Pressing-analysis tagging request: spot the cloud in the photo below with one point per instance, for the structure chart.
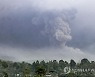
(83, 25)
(47, 28)
(32, 27)
(28, 55)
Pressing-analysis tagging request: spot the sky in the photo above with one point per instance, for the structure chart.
(47, 29)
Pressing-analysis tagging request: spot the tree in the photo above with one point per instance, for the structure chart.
(85, 63)
(66, 63)
(55, 65)
(37, 64)
(61, 64)
(72, 64)
(4, 64)
(40, 72)
(27, 72)
(92, 65)
(5, 74)
(43, 64)
(15, 65)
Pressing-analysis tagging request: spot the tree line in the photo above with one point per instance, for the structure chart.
(41, 68)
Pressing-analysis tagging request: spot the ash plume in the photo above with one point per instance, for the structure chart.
(47, 29)
(34, 28)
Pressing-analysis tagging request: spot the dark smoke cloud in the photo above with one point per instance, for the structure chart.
(83, 26)
(50, 28)
(34, 28)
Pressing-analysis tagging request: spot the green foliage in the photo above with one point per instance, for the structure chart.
(5, 74)
(40, 68)
(85, 63)
(71, 75)
(4, 64)
(40, 71)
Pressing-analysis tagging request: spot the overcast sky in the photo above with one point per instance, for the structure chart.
(47, 29)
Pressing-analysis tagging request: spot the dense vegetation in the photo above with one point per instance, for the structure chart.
(41, 68)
